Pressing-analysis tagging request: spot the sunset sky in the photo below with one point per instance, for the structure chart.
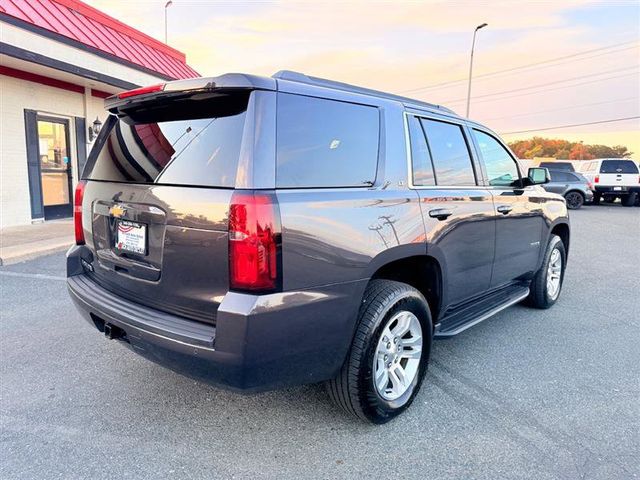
(580, 59)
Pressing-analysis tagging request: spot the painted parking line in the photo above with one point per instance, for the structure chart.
(41, 276)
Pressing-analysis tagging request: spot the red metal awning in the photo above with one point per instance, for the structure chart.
(81, 23)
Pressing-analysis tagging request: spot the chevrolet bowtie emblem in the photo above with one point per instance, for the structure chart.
(117, 211)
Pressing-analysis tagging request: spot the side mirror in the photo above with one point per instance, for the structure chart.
(538, 176)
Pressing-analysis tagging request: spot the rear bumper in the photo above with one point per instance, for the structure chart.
(611, 190)
(259, 342)
(588, 195)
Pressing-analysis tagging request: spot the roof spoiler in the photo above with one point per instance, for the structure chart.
(229, 81)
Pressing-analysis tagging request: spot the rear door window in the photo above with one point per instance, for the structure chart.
(193, 141)
(449, 152)
(325, 143)
(618, 166)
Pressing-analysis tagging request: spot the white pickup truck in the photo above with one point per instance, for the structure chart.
(613, 178)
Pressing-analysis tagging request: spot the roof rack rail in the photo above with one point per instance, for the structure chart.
(322, 82)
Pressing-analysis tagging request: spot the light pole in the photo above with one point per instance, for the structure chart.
(166, 6)
(473, 44)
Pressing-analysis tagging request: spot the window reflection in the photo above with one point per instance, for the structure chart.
(323, 143)
(202, 151)
(450, 154)
(420, 156)
(501, 167)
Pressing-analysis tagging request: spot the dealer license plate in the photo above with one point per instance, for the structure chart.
(131, 237)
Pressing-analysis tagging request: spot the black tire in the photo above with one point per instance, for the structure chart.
(353, 389)
(596, 198)
(629, 200)
(539, 296)
(574, 200)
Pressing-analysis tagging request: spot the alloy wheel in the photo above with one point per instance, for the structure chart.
(398, 355)
(574, 200)
(554, 274)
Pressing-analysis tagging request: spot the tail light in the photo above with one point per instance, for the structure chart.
(77, 212)
(596, 179)
(254, 242)
(590, 185)
(141, 91)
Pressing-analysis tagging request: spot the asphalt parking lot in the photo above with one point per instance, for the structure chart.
(527, 394)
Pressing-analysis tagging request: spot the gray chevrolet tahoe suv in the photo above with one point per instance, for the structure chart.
(263, 232)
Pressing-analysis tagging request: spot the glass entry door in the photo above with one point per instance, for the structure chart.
(55, 167)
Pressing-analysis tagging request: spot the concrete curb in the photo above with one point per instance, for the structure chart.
(21, 253)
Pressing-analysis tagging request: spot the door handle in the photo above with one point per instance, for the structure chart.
(505, 209)
(440, 213)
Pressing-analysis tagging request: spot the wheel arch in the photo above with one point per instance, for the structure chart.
(422, 271)
(575, 190)
(562, 230)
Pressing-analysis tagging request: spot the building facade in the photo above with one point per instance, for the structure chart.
(59, 59)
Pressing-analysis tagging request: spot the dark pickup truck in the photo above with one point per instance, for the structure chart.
(262, 232)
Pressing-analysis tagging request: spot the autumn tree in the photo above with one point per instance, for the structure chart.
(603, 151)
(563, 149)
(579, 151)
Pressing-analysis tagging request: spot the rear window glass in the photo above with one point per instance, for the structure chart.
(190, 141)
(618, 166)
(578, 177)
(557, 166)
(325, 143)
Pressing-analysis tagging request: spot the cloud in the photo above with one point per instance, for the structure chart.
(399, 46)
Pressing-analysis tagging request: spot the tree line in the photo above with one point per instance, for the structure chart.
(564, 149)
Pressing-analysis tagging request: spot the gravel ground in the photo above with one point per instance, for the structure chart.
(526, 394)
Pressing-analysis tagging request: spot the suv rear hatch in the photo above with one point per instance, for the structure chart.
(159, 183)
(618, 173)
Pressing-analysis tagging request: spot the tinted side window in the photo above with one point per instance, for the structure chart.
(618, 166)
(325, 143)
(420, 156)
(450, 154)
(502, 169)
(558, 176)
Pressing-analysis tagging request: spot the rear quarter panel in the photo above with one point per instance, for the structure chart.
(554, 212)
(334, 236)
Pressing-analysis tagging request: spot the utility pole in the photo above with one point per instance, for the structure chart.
(473, 44)
(166, 7)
